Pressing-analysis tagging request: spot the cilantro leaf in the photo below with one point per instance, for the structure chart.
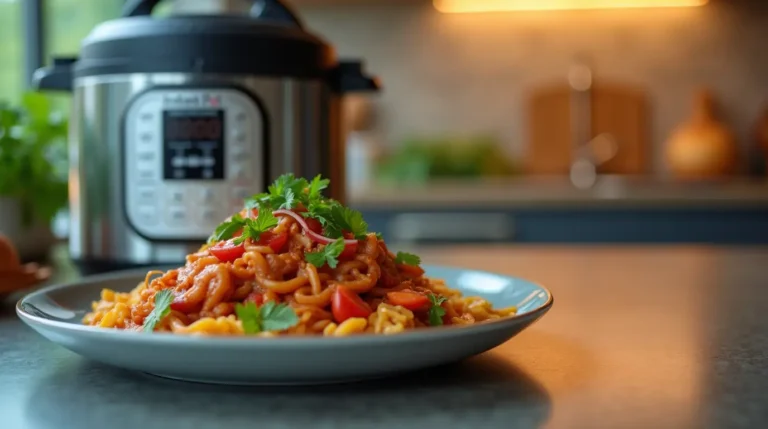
(316, 187)
(285, 183)
(227, 229)
(289, 200)
(253, 228)
(327, 255)
(257, 201)
(269, 317)
(407, 258)
(436, 311)
(350, 220)
(322, 211)
(163, 300)
(277, 317)
(249, 316)
(286, 192)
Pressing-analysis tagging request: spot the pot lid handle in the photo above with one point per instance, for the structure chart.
(273, 10)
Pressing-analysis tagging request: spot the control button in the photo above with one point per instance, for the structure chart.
(207, 196)
(146, 195)
(240, 151)
(209, 216)
(146, 174)
(177, 215)
(239, 173)
(145, 156)
(178, 161)
(176, 196)
(239, 136)
(145, 137)
(146, 117)
(240, 116)
(147, 215)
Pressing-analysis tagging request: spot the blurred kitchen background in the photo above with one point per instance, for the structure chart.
(575, 124)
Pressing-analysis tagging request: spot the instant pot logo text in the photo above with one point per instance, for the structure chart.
(192, 100)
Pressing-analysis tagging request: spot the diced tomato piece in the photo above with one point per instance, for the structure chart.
(314, 225)
(349, 252)
(409, 299)
(227, 251)
(346, 304)
(255, 297)
(275, 241)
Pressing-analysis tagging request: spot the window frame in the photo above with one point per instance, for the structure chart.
(32, 37)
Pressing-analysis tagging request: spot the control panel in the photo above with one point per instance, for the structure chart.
(191, 157)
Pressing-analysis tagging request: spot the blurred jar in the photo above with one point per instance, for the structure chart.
(362, 149)
(702, 147)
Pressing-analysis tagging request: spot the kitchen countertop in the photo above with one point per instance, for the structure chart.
(640, 337)
(556, 192)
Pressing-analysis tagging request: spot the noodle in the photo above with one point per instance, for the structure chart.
(359, 288)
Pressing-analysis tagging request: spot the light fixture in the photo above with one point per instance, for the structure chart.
(468, 6)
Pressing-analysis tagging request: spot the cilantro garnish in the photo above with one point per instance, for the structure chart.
(436, 311)
(285, 193)
(289, 192)
(407, 258)
(350, 220)
(337, 219)
(269, 317)
(226, 230)
(253, 228)
(327, 255)
(163, 300)
(316, 188)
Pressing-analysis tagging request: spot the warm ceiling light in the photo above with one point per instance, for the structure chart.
(465, 6)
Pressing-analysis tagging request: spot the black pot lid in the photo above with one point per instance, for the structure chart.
(204, 44)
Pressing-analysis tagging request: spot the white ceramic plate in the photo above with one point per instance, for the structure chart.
(56, 312)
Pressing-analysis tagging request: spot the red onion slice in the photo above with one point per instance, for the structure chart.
(311, 234)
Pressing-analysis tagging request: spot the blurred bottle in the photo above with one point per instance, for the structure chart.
(759, 162)
(362, 149)
(702, 147)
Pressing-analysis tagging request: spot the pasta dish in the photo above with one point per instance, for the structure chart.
(292, 262)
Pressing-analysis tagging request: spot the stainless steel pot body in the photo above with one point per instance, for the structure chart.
(125, 208)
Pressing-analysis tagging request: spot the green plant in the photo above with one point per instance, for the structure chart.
(33, 157)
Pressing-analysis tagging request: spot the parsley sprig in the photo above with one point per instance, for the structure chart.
(436, 311)
(327, 255)
(407, 259)
(162, 308)
(289, 192)
(269, 317)
(252, 228)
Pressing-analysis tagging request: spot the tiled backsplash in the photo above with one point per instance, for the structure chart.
(465, 74)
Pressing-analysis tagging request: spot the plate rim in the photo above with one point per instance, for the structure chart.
(165, 338)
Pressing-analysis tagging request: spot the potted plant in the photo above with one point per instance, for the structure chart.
(33, 173)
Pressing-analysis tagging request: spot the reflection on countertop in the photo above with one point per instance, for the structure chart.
(552, 192)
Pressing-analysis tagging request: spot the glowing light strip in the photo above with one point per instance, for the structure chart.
(469, 6)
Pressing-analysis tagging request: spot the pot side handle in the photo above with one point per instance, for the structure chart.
(56, 77)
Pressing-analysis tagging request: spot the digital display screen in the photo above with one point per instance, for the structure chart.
(193, 144)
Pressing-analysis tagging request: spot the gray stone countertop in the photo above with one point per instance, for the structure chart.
(651, 337)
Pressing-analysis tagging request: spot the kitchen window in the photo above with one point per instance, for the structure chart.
(64, 24)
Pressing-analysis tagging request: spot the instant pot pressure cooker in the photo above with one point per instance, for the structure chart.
(176, 120)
